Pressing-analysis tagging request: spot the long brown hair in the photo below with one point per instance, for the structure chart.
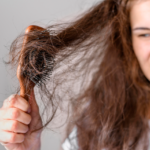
(102, 79)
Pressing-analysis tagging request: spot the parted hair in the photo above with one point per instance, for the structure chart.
(97, 72)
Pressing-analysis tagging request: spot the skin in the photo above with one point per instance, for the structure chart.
(140, 25)
(16, 123)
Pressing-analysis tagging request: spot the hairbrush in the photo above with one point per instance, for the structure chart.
(30, 74)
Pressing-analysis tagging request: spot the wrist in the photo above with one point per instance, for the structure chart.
(37, 145)
(36, 138)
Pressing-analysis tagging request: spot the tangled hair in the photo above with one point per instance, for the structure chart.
(97, 72)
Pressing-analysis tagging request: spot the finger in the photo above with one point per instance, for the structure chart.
(16, 101)
(15, 114)
(11, 137)
(13, 126)
(4, 143)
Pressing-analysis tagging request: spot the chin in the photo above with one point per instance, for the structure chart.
(148, 78)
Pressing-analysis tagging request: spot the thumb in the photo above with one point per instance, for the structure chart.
(35, 115)
(33, 104)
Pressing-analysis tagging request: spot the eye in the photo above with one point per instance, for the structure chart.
(144, 35)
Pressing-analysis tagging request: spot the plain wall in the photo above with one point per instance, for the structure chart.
(15, 16)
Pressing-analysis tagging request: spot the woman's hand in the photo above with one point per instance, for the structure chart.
(16, 123)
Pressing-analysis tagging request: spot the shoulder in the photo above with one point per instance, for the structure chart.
(68, 145)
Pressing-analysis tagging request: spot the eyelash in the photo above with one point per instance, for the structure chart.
(142, 35)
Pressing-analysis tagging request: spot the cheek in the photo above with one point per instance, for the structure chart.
(142, 51)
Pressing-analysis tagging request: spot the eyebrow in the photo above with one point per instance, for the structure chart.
(141, 28)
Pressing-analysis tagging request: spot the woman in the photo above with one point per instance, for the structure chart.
(111, 109)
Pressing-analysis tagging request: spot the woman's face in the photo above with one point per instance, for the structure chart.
(140, 25)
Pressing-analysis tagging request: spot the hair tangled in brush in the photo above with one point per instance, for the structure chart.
(97, 72)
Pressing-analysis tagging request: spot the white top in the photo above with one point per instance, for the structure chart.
(68, 146)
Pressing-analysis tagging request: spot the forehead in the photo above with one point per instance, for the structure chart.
(140, 12)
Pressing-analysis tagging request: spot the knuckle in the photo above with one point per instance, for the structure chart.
(12, 137)
(14, 113)
(27, 129)
(26, 106)
(22, 138)
(14, 125)
(29, 119)
(12, 99)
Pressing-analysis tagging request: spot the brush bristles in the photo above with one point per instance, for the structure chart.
(42, 68)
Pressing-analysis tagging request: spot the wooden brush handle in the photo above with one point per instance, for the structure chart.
(24, 92)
